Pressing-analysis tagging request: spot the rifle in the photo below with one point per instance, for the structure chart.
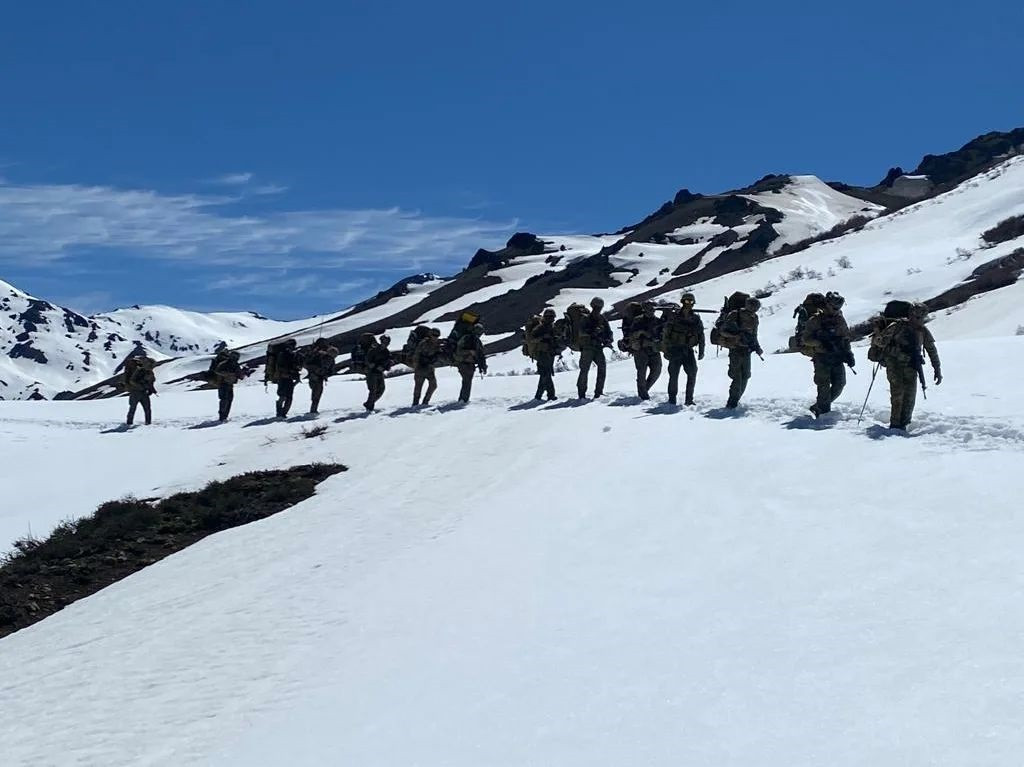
(917, 360)
(751, 341)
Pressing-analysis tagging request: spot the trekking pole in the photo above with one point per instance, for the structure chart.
(865, 405)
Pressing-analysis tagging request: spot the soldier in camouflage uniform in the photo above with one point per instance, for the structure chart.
(469, 357)
(319, 364)
(644, 342)
(738, 333)
(378, 361)
(900, 345)
(544, 342)
(226, 373)
(683, 331)
(424, 361)
(826, 338)
(289, 371)
(140, 381)
(595, 334)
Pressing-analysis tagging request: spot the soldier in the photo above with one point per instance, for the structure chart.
(226, 372)
(140, 382)
(424, 361)
(319, 365)
(595, 334)
(469, 356)
(378, 361)
(738, 332)
(682, 332)
(900, 346)
(544, 342)
(643, 340)
(826, 338)
(288, 367)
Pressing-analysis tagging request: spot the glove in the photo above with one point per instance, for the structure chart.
(938, 377)
(700, 354)
(483, 369)
(851, 360)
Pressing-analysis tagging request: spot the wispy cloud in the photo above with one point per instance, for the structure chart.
(231, 179)
(50, 223)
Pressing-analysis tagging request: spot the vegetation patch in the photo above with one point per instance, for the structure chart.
(1008, 229)
(86, 555)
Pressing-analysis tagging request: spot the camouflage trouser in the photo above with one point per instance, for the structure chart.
(421, 376)
(902, 394)
(136, 398)
(686, 360)
(830, 378)
(546, 371)
(466, 370)
(374, 387)
(739, 372)
(225, 396)
(588, 357)
(648, 370)
(285, 392)
(316, 391)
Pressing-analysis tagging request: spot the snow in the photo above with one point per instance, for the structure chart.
(503, 584)
(809, 207)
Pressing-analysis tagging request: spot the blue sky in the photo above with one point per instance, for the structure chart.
(292, 158)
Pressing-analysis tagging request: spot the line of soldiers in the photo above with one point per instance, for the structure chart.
(899, 341)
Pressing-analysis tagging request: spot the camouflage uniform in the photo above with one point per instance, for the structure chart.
(378, 361)
(546, 348)
(424, 360)
(739, 331)
(902, 357)
(141, 385)
(827, 338)
(226, 372)
(595, 334)
(644, 342)
(289, 371)
(683, 331)
(319, 367)
(469, 357)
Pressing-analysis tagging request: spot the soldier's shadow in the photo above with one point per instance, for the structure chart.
(568, 403)
(807, 423)
(665, 408)
(877, 431)
(205, 425)
(724, 413)
(406, 410)
(625, 402)
(528, 405)
(450, 406)
(260, 422)
(303, 417)
(353, 417)
(122, 429)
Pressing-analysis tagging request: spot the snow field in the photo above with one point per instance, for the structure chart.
(507, 584)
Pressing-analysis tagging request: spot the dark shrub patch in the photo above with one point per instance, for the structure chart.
(80, 557)
(1006, 230)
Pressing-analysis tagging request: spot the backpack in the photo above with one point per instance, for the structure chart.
(226, 370)
(357, 361)
(575, 316)
(678, 332)
(426, 353)
(465, 349)
(464, 325)
(733, 303)
(529, 348)
(416, 335)
(561, 334)
(811, 304)
(896, 341)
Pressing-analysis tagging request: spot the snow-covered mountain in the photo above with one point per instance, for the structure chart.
(916, 236)
(46, 349)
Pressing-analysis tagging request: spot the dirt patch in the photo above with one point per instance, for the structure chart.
(84, 556)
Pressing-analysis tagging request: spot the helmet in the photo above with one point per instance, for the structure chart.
(918, 310)
(435, 332)
(597, 301)
(753, 304)
(385, 340)
(647, 306)
(834, 300)
(478, 329)
(320, 343)
(549, 313)
(220, 346)
(291, 342)
(687, 298)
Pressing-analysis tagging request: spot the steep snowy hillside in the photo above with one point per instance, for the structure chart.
(617, 583)
(47, 349)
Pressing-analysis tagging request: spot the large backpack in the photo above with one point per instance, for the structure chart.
(529, 348)
(730, 304)
(357, 361)
(417, 334)
(272, 368)
(464, 325)
(676, 332)
(131, 364)
(810, 306)
(575, 316)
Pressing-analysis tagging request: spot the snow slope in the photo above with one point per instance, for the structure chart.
(47, 349)
(506, 584)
